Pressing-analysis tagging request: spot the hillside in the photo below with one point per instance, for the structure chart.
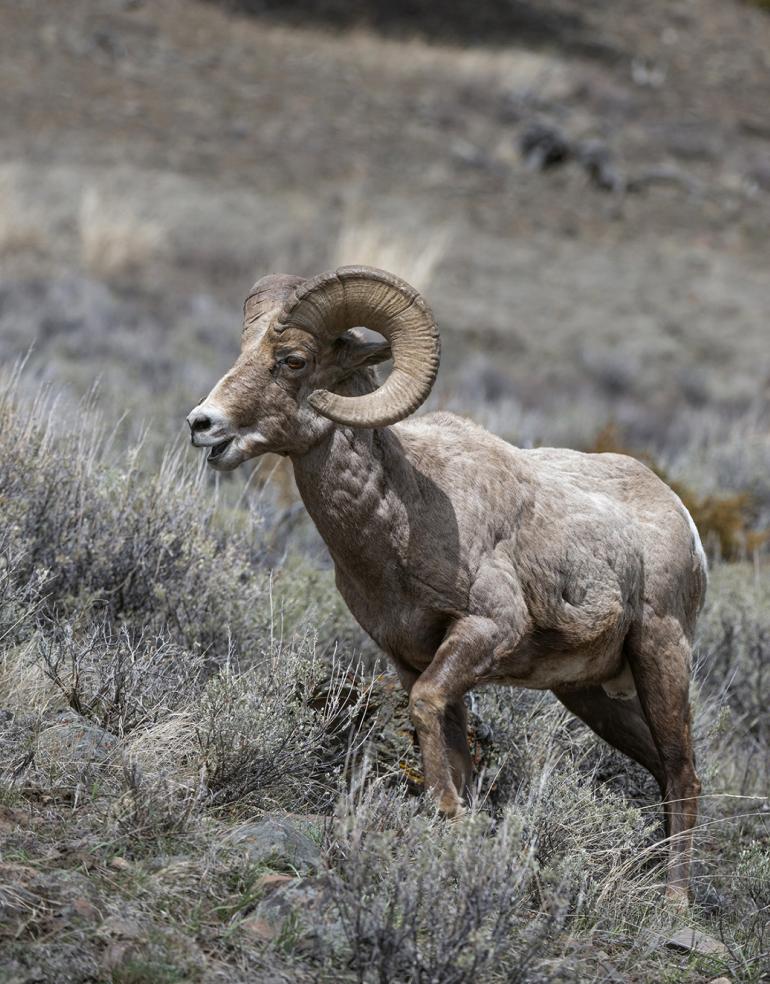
(158, 157)
(207, 772)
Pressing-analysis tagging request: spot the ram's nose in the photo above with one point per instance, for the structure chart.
(207, 425)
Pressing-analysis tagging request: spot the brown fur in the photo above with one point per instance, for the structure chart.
(471, 562)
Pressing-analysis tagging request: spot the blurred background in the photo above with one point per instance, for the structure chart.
(582, 189)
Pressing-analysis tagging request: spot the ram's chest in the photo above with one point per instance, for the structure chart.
(408, 625)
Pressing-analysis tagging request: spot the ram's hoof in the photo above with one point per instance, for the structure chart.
(451, 806)
(677, 898)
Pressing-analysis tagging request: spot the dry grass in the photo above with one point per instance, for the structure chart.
(114, 239)
(413, 254)
(160, 690)
(176, 666)
(503, 69)
(20, 231)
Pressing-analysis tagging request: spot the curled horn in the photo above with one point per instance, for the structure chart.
(360, 296)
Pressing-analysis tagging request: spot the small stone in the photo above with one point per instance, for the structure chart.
(694, 941)
(259, 929)
(304, 906)
(121, 928)
(10, 818)
(268, 882)
(544, 146)
(59, 897)
(120, 864)
(759, 175)
(84, 909)
(115, 955)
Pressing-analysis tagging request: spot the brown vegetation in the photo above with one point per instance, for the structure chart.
(725, 522)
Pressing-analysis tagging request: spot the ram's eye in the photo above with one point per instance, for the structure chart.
(294, 362)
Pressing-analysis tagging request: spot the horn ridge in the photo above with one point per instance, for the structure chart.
(360, 296)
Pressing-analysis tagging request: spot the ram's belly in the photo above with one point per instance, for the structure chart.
(535, 670)
(570, 646)
(549, 635)
(414, 642)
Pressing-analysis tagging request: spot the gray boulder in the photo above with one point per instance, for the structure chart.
(278, 842)
(72, 741)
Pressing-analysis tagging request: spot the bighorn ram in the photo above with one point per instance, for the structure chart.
(468, 560)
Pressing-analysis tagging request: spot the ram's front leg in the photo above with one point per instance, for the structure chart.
(459, 664)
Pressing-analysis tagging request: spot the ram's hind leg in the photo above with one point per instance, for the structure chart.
(620, 722)
(660, 659)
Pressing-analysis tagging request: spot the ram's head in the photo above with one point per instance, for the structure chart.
(303, 366)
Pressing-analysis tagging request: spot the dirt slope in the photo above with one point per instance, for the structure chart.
(180, 148)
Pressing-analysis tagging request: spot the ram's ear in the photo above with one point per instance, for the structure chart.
(353, 352)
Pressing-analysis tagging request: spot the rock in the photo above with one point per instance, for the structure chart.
(120, 927)
(259, 929)
(469, 155)
(12, 818)
(17, 897)
(596, 158)
(178, 954)
(116, 954)
(759, 175)
(82, 909)
(15, 973)
(51, 900)
(543, 146)
(72, 742)
(694, 941)
(691, 141)
(277, 840)
(305, 906)
(663, 174)
(51, 960)
(268, 882)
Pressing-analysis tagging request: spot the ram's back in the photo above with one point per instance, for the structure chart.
(564, 517)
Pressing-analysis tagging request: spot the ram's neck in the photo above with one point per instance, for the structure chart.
(354, 486)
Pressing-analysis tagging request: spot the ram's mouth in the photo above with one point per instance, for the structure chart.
(218, 450)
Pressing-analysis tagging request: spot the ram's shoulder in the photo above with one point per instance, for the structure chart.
(445, 422)
(459, 454)
(452, 428)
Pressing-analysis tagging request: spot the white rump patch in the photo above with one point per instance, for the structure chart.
(621, 687)
(700, 553)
